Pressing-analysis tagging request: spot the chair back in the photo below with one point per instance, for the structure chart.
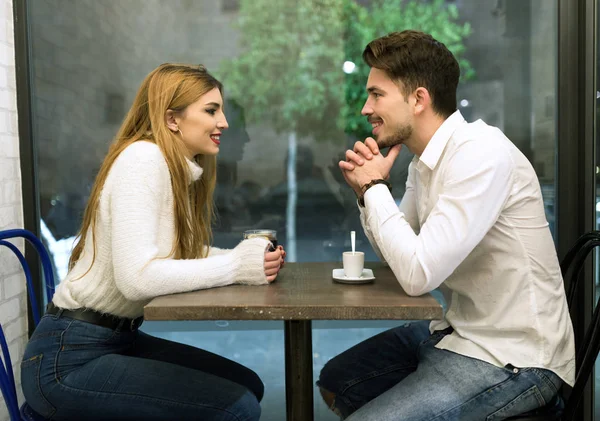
(579, 252)
(572, 267)
(590, 346)
(7, 380)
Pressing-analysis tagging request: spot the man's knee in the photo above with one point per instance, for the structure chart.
(329, 379)
(255, 385)
(247, 408)
(334, 375)
(328, 397)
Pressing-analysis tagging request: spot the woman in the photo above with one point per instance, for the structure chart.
(147, 232)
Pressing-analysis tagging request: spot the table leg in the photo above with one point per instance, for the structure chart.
(298, 370)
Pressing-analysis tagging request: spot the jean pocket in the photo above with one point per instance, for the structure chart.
(551, 383)
(526, 401)
(30, 382)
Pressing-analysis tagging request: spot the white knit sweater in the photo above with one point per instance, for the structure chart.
(134, 236)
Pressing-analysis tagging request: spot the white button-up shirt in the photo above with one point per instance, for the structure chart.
(472, 221)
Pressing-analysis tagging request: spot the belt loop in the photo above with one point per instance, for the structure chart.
(134, 324)
(512, 368)
(57, 315)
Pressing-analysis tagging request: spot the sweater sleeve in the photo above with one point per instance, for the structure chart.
(216, 251)
(136, 200)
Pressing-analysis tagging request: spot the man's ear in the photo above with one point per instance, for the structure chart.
(171, 121)
(422, 99)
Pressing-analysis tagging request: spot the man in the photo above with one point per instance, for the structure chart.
(472, 222)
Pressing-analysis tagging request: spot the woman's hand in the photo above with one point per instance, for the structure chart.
(283, 254)
(273, 262)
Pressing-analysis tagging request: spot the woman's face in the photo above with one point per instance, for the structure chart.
(200, 124)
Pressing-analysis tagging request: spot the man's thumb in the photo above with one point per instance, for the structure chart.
(393, 153)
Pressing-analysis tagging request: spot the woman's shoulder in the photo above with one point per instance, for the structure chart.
(143, 158)
(142, 150)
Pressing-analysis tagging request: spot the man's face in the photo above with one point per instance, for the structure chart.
(387, 110)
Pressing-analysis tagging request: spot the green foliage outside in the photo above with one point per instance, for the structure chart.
(289, 72)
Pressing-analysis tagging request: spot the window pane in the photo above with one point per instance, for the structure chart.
(294, 86)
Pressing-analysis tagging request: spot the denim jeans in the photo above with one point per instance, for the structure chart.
(399, 375)
(74, 370)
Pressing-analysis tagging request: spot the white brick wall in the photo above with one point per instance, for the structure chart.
(13, 301)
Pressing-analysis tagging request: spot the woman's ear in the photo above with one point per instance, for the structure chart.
(171, 121)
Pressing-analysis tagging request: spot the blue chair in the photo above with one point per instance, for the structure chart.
(7, 380)
(587, 352)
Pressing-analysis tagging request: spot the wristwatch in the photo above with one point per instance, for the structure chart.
(361, 198)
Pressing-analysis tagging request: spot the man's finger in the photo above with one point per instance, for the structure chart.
(354, 157)
(363, 149)
(372, 145)
(346, 166)
(345, 174)
(393, 153)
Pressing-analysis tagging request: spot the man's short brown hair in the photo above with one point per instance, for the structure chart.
(417, 59)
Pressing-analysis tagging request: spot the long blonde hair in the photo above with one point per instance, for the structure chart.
(168, 87)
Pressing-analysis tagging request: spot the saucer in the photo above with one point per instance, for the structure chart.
(366, 277)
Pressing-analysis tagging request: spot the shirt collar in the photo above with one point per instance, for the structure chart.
(195, 169)
(435, 147)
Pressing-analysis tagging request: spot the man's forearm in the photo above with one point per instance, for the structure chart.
(369, 234)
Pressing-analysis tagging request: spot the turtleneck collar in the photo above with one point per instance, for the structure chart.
(195, 169)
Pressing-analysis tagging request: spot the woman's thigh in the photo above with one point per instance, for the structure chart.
(120, 387)
(147, 346)
(73, 369)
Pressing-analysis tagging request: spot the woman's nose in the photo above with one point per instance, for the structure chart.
(222, 124)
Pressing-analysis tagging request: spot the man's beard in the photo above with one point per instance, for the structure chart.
(400, 136)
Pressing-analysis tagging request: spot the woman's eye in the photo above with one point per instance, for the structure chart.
(211, 111)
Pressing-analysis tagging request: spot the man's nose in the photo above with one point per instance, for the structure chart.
(366, 109)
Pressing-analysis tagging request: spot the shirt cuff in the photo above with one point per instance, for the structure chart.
(379, 199)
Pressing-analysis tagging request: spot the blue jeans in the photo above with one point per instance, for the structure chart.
(399, 375)
(74, 370)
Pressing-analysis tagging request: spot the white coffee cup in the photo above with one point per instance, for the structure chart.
(354, 263)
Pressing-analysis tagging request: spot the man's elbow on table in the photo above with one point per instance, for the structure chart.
(415, 291)
(415, 282)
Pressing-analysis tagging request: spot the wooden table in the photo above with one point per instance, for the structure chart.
(302, 292)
